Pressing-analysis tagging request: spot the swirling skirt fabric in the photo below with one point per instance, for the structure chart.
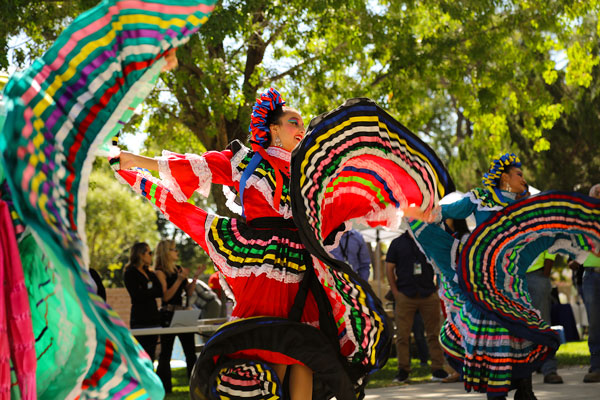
(56, 114)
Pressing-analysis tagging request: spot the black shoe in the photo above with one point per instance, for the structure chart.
(401, 376)
(524, 389)
(592, 376)
(438, 375)
(553, 377)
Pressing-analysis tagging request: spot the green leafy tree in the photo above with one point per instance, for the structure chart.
(116, 219)
(471, 77)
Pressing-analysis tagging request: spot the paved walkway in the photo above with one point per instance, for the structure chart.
(572, 389)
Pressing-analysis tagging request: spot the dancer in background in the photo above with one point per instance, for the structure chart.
(484, 277)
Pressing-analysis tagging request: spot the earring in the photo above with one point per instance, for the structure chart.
(507, 187)
(278, 141)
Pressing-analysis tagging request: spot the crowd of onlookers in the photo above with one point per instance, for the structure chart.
(155, 274)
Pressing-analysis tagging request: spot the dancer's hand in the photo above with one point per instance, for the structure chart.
(429, 216)
(200, 270)
(171, 59)
(129, 160)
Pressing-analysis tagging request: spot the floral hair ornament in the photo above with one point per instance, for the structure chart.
(260, 136)
(491, 179)
(259, 130)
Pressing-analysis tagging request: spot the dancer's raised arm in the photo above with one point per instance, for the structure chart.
(129, 160)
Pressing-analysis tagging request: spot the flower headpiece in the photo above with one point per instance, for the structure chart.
(260, 140)
(491, 179)
(259, 128)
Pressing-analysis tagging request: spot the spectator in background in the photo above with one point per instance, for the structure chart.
(99, 285)
(418, 331)
(143, 288)
(174, 283)
(540, 291)
(591, 299)
(411, 280)
(354, 251)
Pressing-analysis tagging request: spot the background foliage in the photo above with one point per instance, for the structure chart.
(474, 78)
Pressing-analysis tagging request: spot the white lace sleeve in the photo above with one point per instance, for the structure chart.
(167, 178)
(200, 168)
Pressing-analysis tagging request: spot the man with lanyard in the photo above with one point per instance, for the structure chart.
(411, 279)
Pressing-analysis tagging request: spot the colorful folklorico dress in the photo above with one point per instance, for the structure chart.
(294, 303)
(493, 334)
(60, 339)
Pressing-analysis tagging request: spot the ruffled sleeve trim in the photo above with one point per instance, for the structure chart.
(199, 167)
(167, 178)
(202, 171)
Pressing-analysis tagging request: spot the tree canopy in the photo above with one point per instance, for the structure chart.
(116, 219)
(473, 78)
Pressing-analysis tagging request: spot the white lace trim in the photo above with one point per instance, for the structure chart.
(390, 214)
(167, 178)
(120, 179)
(230, 202)
(201, 170)
(235, 272)
(280, 153)
(338, 237)
(162, 201)
(509, 195)
(262, 185)
(235, 161)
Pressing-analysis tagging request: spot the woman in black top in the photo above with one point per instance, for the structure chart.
(174, 281)
(143, 287)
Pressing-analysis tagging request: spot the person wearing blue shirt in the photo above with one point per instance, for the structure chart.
(354, 251)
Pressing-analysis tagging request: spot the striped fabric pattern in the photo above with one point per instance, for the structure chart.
(235, 249)
(249, 380)
(361, 327)
(59, 111)
(357, 162)
(502, 331)
(507, 244)
(358, 154)
(266, 172)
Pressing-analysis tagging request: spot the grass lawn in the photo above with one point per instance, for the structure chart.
(569, 354)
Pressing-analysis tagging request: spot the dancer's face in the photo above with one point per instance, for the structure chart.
(290, 130)
(514, 180)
